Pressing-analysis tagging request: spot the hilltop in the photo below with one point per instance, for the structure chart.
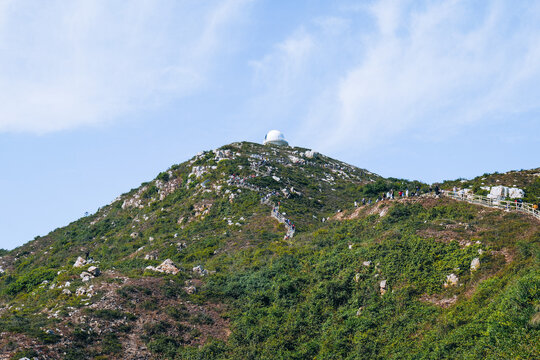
(267, 252)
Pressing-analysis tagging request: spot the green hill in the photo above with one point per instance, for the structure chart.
(195, 265)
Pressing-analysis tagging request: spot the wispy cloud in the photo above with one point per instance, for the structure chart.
(423, 69)
(69, 64)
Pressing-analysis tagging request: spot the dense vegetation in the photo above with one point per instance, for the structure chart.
(528, 180)
(318, 295)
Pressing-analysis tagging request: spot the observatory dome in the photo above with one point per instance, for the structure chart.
(275, 137)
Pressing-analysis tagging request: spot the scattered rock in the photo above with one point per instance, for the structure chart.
(80, 262)
(94, 270)
(85, 290)
(359, 311)
(310, 154)
(382, 287)
(366, 263)
(86, 276)
(190, 289)
(357, 277)
(167, 267)
(151, 256)
(66, 291)
(451, 280)
(501, 192)
(475, 264)
(200, 270)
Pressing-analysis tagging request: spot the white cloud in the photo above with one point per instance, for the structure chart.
(439, 74)
(288, 57)
(424, 69)
(69, 64)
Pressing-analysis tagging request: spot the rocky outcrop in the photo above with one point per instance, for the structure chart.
(136, 200)
(310, 154)
(166, 267)
(80, 262)
(86, 276)
(475, 264)
(94, 270)
(199, 270)
(515, 193)
(501, 192)
(451, 280)
(383, 287)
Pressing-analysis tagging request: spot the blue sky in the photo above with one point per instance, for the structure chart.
(99, 96)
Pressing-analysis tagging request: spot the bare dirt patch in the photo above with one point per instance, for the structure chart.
(437, 300)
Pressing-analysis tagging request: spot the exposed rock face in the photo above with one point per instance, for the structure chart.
(135, 201)
(475, 264)
(80, 262)
(199, 171)
(167, 187)
(451, 280)
(310, 154)
(167, 267)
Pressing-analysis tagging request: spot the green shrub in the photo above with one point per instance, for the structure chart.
(30, 280)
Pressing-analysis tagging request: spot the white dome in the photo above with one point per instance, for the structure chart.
(275, 137)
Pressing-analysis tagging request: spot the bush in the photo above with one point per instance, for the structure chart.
(30, 280)
(163, 176)
(110, 344)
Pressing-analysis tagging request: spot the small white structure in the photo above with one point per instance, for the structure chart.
(275, 137)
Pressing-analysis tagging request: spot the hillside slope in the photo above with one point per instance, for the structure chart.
(195, 265)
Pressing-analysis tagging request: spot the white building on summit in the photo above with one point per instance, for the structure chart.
(275, 137)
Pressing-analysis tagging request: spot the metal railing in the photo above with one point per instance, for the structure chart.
(507, 205)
